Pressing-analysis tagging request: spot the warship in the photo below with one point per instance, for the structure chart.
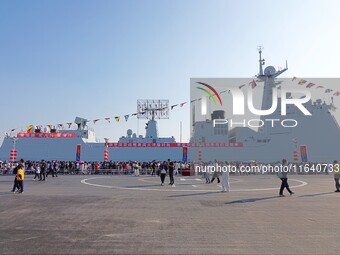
(314, 139)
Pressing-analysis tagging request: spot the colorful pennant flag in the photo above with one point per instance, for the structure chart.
(29, 128)
(117, 118)
(328, 90)
(108, 120)
(181, 105)
(12, 129)
(69, 124)
(320, 87)
(294, 78)
(134, 114)
(336, 93)
(253, 84)
(309, 85)
(95, 121)
(126, 117)
(50, 126)
(301, 82)
(173, 106)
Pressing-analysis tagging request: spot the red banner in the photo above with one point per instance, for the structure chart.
(47, 135)
(173, 145)
(303, 152)
(78, 152)
(185, 154)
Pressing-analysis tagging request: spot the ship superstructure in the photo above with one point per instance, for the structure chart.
(318, 133)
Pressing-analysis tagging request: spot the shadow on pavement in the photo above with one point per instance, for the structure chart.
(195, 194)
(250, 200)
(143, 186)
(317, 194)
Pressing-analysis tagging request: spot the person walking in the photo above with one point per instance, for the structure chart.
(42, 170)
(136, 168)
(16, 184)
(163, 168)
(48, 168)
(216, 174)
(153, 166)
(171, 173)
(284, 178)
(225, 181)
(20, 176)
(36, 167)
(207, 175)
(177, 167)
(56, 168)
(336, 170)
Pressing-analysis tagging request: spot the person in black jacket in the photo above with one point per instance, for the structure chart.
(163, 168)
(171, 172)
(16, 183)
(42, 170)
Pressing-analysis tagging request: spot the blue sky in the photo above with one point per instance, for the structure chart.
(62, 59)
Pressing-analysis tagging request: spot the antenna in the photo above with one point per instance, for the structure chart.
(261, 61)
(152, 109)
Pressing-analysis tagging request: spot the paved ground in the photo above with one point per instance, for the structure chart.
(135, 215)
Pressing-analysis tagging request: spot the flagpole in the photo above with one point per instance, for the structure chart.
(180, 131)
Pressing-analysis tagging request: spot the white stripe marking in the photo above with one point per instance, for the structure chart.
(84, 181)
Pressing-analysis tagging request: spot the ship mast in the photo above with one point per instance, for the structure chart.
(268, 76)
(261, 61)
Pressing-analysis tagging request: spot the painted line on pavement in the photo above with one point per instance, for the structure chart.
(85, 181)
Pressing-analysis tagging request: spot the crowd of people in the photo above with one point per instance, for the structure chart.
(55, 167)
(44, 168)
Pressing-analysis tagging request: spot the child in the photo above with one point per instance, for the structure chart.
(20, 176)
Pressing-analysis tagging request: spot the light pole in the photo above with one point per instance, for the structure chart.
(13, 152)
